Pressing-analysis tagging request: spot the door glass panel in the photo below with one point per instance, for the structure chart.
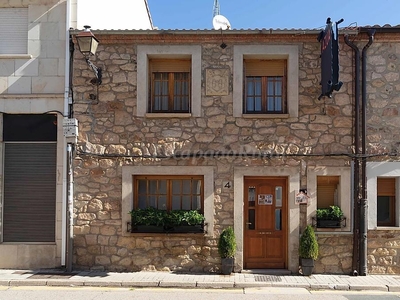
(278, 219)
(252, 196)
(278, 196)
(252, 219)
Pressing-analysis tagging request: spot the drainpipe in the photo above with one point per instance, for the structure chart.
(363, 201)
(64, 217)
(356, 176)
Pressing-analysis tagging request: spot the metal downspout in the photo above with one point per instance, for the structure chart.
(363, 200)
(64, 214)
(356, 178)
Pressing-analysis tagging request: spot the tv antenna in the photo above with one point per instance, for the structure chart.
(220, 22)
(216, 8)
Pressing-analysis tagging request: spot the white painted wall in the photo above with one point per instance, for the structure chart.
(116, 14)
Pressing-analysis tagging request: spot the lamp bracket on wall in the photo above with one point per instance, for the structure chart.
(98, 72)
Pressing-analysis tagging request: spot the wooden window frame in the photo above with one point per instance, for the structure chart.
(172, 76)
(391, 193)
(169, 192)
(265, 92)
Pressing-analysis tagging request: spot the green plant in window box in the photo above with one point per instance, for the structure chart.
(149, 216)
(172, 221)
(330, 217)
(193, 217)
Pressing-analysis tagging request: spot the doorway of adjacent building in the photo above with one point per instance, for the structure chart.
(265, 222)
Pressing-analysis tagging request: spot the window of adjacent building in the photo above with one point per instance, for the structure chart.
(169, 86)
(13, 30)
(169, 192)
(265, 86)
(327, 191)
(29, 195)
(386, 201)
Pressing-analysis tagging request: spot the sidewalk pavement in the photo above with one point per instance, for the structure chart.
(388, 283)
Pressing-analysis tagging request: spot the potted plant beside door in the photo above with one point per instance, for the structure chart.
(308, 250)
(227, 250)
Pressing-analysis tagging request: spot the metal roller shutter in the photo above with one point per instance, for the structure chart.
(30, 192)
(14, 30)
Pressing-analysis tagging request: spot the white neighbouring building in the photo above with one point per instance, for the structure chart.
(34, 95)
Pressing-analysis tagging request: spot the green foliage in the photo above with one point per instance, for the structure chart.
(308, 244)
(193, 217)
(332, 213)
(155, 217)
(227, 243)
(148, 216)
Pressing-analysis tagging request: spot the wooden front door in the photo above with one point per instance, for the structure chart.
(265, 223)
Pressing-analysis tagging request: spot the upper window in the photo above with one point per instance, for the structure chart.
(386, 201)
(169, 192)
(266, 84)
(13, 30)
(169, 86)
(265, 87)
(168, 81)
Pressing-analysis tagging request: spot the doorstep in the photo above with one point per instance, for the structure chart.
(277, 272)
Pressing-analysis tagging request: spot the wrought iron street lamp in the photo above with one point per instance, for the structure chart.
(87, 44)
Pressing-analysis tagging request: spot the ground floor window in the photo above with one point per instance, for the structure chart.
(168, 195)
(327, 191)
(169, 192)
(386, 201)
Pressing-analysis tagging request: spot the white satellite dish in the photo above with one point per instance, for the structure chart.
(220, 22)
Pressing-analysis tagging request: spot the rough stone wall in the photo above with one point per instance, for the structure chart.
(383, 99)
(335, 254)
(383, 252)
(110, 136)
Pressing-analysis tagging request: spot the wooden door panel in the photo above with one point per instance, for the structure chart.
(275, 250)
(257, 248)
(265, 217)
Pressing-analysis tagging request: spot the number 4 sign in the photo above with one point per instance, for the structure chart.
(227, 185)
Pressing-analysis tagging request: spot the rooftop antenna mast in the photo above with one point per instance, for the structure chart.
(216, 10)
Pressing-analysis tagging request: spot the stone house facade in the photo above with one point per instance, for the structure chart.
(245, 165)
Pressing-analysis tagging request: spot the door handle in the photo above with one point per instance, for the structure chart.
(248, 223)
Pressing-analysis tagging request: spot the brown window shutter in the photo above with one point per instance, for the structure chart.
(170, 65)
(261, 67)
(386, 186)
(326, 188)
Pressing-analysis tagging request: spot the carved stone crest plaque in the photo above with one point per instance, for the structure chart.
(217, 82)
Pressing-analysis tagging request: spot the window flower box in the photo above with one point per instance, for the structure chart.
(331, 217)
(151, 220)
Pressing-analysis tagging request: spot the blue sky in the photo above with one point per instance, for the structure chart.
(252, 14)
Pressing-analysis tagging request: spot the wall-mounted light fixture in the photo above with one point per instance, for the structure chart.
(87, 44)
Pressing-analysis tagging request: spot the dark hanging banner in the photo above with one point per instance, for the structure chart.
(329, 39)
